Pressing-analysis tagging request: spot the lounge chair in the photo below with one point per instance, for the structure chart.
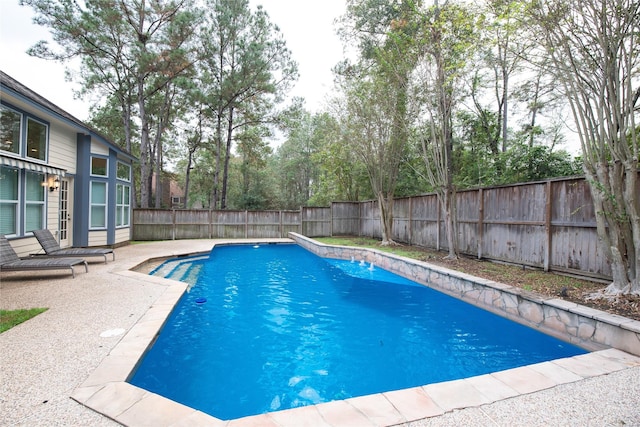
(53, 249)
(10, 261)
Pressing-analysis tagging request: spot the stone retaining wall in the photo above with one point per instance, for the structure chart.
(583, 326)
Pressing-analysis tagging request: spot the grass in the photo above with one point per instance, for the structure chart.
(11, 318)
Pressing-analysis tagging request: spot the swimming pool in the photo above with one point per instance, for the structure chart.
(282, 328)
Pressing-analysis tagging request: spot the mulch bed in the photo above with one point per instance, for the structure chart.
(580, 291)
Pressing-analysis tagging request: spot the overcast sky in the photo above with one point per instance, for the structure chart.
(307, 27)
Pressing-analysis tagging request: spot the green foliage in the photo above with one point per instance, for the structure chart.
(245, 69)
(250, 167)
(214, 73)
(525, 163)
(11, 318)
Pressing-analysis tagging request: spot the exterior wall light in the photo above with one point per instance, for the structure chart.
(52, 183)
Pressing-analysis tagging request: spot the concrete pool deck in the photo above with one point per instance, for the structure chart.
(74, 353)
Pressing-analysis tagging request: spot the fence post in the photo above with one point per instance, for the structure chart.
(302, 220)
(210, 225)
(359, 218)
(480, 221)
(331, 219)
(547, 227)
(410, 220)
(173, 224)
(246, 224)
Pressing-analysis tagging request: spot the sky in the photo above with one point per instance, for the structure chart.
(306, 25)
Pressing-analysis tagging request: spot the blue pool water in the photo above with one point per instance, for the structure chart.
(273, 327)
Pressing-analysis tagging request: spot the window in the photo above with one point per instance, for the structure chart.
(10, 125)
(8, 200)
(17, 211)
(36, 140)
(99, 166)
(124, 172)
(98, 209)
(34, 201)
(31, 144)
(122, 205)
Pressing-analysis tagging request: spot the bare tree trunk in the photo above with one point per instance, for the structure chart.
(437, 154)
(386, 218)
(187, 179)
(448, 205)
(216, 175)
(145, 171)
(225, 176)
(126, 125)
(505, 107)
(158, 168)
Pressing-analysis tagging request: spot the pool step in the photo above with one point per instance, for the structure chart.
(180, 269)
(191, 274)
(166, 269)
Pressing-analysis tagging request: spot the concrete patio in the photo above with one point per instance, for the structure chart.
(56, 355)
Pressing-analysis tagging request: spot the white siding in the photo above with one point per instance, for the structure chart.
(97, 148)
(62, 148)
(97, 238)
(53, 210)
(123, 235)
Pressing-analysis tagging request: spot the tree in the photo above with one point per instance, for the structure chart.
(525, 163)
(541, 95)
(190, 138)
(129, 50)
(508, 48)
(296, 170)
(253, 152)
(245, 69)
(448, 39)
(341, 176)
(369, 126)
(385, 36)
(476, 161)
(594, 46)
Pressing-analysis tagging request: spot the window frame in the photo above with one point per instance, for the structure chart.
(118, 169)
(45, 149)
(20, 130)
(42, 203)
(27, 185)
(123, 207)
(93, 205)
(106, 166)
(13, 202)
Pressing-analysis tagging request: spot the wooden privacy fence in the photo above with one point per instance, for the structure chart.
(160, 224)
(549, 225)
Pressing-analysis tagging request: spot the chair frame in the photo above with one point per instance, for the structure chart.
(52, 248)
(10, 261)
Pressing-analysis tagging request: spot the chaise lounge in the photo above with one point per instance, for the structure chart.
(10, 261)
(53, 249)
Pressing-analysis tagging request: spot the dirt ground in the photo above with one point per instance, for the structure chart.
(572, 289)
(580, 291)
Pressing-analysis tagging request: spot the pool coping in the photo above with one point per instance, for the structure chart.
(107, 392)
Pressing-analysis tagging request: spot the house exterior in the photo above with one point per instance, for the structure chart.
(171, 194)
(58, 173)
